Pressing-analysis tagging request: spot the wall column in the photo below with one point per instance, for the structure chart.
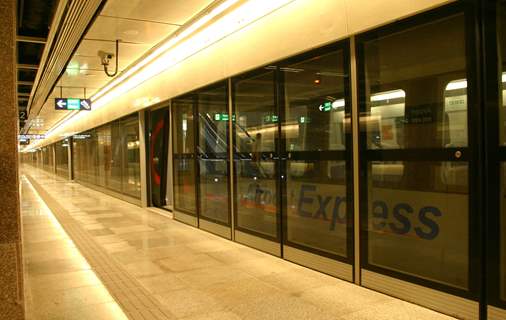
(11, 267)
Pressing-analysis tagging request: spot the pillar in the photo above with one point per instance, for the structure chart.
(11, 268)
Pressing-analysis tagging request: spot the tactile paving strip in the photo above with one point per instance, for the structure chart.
(134, 299)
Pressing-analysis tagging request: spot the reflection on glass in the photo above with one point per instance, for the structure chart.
(98, 156)
(315, 123)
(131, 175)
(316, 197)
(62, 158)
(423, 221)
(85, 156)
(256, 130)
(415, 98)
(117, 146)
(158, 152)
(314, 95)
(212, 151)
(184, 154)
(104, 155)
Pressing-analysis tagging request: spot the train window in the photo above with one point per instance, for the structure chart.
(408, 84)
(454, 128)
(386, 122)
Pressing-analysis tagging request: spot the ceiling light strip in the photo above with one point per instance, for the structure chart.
(179, 48)
(66, 31)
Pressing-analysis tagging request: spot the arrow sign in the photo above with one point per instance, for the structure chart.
(60, 104)
(72, 104)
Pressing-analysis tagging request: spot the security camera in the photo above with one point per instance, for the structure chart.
(105, 57)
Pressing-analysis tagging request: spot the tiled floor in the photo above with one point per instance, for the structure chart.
(59, 283)
(188, 273)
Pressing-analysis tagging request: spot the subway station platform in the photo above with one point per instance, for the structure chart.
(91, 256)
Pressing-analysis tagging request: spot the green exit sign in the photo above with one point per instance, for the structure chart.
(271, 118)
(222, 117)
(73, 104)
(304, 119)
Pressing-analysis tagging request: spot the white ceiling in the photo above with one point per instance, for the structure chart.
(138, 24)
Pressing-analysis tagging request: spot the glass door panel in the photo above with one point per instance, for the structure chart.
(131, 182)
(158, 154)
(315, 142)
(117, 141)
(212, 151)
(256, 136)
(495, 43)
(185, 193)
(416, 163)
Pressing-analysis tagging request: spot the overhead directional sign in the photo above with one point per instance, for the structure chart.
(72, 104)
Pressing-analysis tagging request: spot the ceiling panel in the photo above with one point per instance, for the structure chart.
(139, 24)
(107, 28)
(82, 64)
(90, 79)
(127, 52)
(173, 11)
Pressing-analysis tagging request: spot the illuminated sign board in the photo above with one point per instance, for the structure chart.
(223, 117)
(72, 104)
(304, 119)
(81, 136)
(271, 118)
(31, 136)
(335, 105)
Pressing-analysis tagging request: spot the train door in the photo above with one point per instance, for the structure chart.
(420, 228)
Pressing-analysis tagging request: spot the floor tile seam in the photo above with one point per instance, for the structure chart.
(75, 227)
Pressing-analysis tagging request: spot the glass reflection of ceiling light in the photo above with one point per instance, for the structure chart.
(338, 104)
(183, 45)
(456, 85)
(293, 70)
(330, 74)
(396, 94)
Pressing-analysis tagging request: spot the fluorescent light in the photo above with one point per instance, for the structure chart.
(171, 42)
(395, 94)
